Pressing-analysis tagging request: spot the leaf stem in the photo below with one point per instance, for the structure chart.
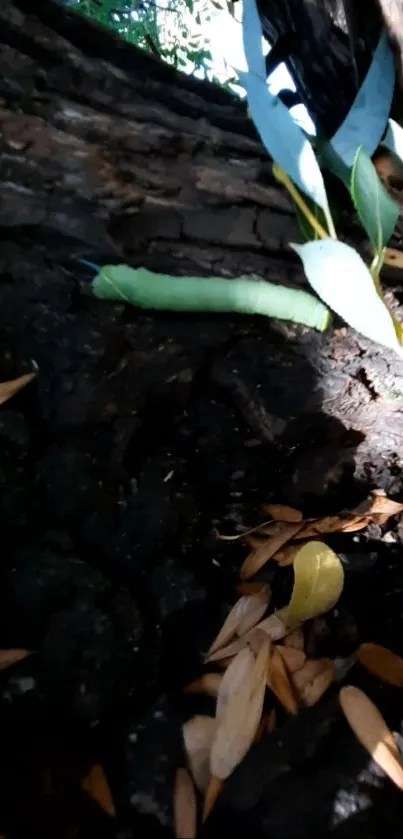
(283, 178)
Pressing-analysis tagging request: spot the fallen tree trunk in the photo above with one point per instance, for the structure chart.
(109, 155)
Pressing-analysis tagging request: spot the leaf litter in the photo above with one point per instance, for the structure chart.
(264, 656)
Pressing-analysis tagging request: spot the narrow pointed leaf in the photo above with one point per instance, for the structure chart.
(198, 734)
(237, 673)
(340, 277)
(382, 663)
(365, 122)
(318, 583)
(295, 639)
(376, 210)
(284, 140)
(9, 657)
(209, 684)
(313, 680)
(293, 659)
(240, 720)
(185, 812)
(279, 682)
(258, 557)
(9, 389)
(97, 787)
(371, 730)
(246, 612)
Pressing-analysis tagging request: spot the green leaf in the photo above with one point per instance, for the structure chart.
(367, 117)
(329, 159)
(377, 211)
(340, 277)
(284, 140)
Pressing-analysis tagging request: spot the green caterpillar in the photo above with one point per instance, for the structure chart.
(147, 290)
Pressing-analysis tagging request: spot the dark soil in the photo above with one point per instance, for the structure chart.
(112, 482)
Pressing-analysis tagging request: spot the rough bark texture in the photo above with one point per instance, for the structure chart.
(142, 431)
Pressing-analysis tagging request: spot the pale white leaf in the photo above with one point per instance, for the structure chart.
(340, 277)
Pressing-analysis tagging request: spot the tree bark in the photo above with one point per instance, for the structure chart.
(109, 155)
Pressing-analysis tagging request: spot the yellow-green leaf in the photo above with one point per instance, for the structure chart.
(318, 583)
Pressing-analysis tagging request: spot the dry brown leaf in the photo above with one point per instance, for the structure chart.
(293, 659)
(227, 652)
(380, 506)
(213, 791)
(9, 389)
(198, 734)
(249, 588)
(237, 673)
(246, 612)
(239, 722)
(262, 728)
(209, 684)
(258, 557)
(281, 512)
(287, 554)
(295, 639)
(9, 657)
(371, 730)
(185, 808)
(278, 681)
(274, 626)
(97, 787)
(313, 680)
(348, 523)
(382, 663)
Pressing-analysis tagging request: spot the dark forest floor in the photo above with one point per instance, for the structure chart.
(140, 435)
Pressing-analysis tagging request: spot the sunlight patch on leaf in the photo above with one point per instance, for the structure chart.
(340, 277)
(371, 730)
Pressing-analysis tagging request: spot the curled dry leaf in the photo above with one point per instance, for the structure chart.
(281, 512)
(318, 583)
(9, 657)
(382, 663)
(348, 523)
(287, 554)
(295, 639)
(185, 808)
(313, 680)
(9, 389)
(293, 659)
(97, 787)
(246, 612)
(371, 730)
(260, 555)
(198, 734)
(239, 722)
(381, 507)
(279, 682)
(209, 684)
(238, 671)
